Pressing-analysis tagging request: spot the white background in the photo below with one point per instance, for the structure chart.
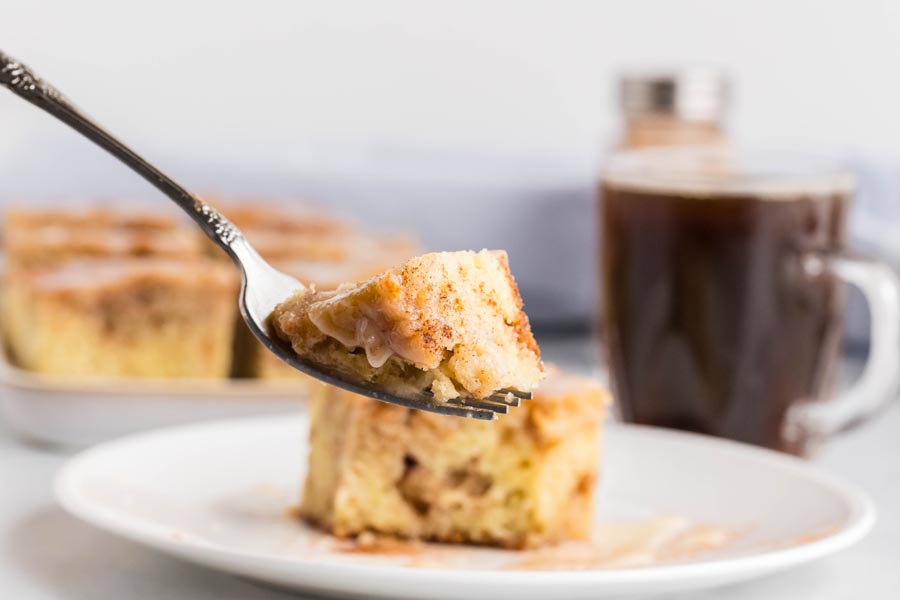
(521, 76)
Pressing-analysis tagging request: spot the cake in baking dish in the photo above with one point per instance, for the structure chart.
(450, 324)
(147, 317)
(43, 240)
(522, 481)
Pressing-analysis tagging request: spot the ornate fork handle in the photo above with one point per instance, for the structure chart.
(24, 83)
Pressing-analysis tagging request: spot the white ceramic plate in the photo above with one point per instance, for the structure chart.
(218, 494)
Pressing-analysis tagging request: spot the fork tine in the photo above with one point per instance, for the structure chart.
(497, 407)
(516, 393)
(508, 399)
(454, 409)
(496, 401)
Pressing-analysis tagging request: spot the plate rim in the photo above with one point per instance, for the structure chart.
(860, 520)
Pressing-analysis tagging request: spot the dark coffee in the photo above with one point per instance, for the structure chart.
(710, 321)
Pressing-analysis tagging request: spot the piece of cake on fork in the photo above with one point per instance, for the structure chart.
(363, 256)
(522, 481)
(448, 323)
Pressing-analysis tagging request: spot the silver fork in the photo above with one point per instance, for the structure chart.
(262, 286)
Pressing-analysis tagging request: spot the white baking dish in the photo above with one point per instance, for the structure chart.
(79, 412)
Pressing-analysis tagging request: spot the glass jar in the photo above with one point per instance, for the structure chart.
(675, 108)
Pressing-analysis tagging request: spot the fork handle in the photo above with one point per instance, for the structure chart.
(24, 83)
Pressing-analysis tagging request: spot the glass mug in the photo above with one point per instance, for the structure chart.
(722, 296)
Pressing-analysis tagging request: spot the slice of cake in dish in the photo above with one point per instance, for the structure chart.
(33, 245)
(146, 317)
(448, 323)
(523, 481)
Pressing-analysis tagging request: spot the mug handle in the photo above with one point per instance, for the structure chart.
(881, 374)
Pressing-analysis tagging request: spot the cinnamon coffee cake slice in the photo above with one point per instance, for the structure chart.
(523, 481)
(449, 323)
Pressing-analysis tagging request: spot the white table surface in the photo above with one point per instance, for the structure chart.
(46, 554)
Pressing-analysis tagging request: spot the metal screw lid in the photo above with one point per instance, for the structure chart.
(693, 94)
